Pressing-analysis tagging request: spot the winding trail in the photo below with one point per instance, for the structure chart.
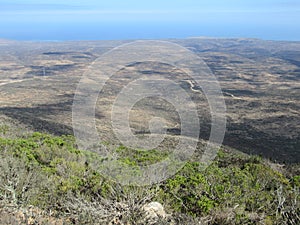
(192, 86)
(12, 81)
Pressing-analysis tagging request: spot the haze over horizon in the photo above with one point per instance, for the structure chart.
(132, 19)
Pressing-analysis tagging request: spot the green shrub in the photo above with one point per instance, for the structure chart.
(51, 173)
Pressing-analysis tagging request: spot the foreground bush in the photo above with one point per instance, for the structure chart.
(51, 174)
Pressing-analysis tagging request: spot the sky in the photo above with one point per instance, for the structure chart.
(140, 19)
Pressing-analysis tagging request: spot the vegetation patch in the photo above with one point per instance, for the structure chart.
(51, 174)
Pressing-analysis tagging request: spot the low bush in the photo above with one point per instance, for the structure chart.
(50, 173)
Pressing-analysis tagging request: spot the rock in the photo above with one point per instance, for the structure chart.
(154, 210)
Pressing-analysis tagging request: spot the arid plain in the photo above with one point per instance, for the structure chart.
(260, 81)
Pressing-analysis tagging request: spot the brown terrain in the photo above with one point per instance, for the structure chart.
(260, 81)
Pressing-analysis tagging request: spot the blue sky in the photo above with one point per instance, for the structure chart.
(133, 19)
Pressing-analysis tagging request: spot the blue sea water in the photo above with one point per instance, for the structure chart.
(117, 31)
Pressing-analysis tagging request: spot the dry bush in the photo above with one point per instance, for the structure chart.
(120, 207)
(18, 183)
